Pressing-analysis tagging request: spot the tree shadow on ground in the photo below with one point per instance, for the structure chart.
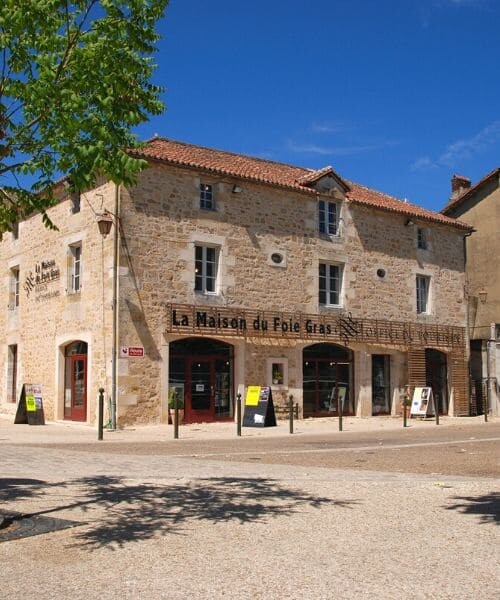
(487, 506)
(12, 488)
(119, 512)
(144, 511)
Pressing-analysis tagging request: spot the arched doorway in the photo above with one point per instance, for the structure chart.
(436, 377)
(75, 381)
(202, 372)
(327, 378)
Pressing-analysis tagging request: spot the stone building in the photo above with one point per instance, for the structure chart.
(479, 206)
(231, 271)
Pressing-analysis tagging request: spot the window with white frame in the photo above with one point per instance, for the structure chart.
(328, 216)
(75, 269)
(205, 269)
(330, 284)
(422, 241)
(14, 288)
(423, 285)
(207, 200)
(11, 373)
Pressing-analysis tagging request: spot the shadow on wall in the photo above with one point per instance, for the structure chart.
(139, 320)
(117, 513)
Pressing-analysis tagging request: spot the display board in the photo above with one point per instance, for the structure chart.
(422, 404)
(259, 407)
(30, 407)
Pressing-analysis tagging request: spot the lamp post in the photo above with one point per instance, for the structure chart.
(105, 221)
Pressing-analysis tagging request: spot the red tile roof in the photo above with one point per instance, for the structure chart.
(456, 202)
(277, 174)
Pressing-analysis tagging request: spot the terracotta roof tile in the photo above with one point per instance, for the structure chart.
(277, 174)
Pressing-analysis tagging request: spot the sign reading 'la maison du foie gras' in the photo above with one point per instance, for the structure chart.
(344, 328)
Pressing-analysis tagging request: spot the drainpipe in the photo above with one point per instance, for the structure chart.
(467, 313)
(114, 352)
(490, 346)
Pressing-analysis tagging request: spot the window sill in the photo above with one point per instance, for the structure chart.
(333, 307)
(330, 237)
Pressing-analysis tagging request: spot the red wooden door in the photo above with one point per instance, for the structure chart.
(75, 401)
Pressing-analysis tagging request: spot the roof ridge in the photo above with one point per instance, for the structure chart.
(232, 153)
(370, 189)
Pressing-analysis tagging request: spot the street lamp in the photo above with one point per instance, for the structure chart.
(105, 221)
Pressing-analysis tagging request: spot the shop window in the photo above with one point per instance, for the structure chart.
(277, 371)
(423, 284)
(328, 215)
(75, 269)
(12, 373)
(14, 288)
(422, 241)
(381, 384)
(207, 200)
(205, 269)
(330, 284)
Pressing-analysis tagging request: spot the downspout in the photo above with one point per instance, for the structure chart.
(467, 315)
(114, 352)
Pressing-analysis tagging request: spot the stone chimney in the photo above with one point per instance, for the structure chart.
(459, 184)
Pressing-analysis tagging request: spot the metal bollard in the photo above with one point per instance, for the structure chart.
(340, 403)
(238, 415)
(405, 415)
(486, 404)
(436, 410)
(100, 415)
(176, 419)
(290, 411)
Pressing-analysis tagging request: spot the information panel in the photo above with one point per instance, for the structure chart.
(30, 407)
(259, 407)
(422, 404)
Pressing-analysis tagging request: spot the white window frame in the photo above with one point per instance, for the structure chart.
(329, 218)
(14, 288)
(329, 277)
(75, 268)
(207, 198)
(422, 287)
(204, 283)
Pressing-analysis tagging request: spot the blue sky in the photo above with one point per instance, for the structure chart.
(395, 94)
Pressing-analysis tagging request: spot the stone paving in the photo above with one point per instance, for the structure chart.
(157, 526)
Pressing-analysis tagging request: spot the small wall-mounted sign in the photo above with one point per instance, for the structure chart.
(131, 352)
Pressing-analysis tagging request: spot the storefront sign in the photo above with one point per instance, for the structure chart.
(344, 328)
(45, 271)
(131, 352)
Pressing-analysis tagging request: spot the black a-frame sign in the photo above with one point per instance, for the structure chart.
(30, 407)
(259, 407)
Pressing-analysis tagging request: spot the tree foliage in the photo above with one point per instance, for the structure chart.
(75, 78)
